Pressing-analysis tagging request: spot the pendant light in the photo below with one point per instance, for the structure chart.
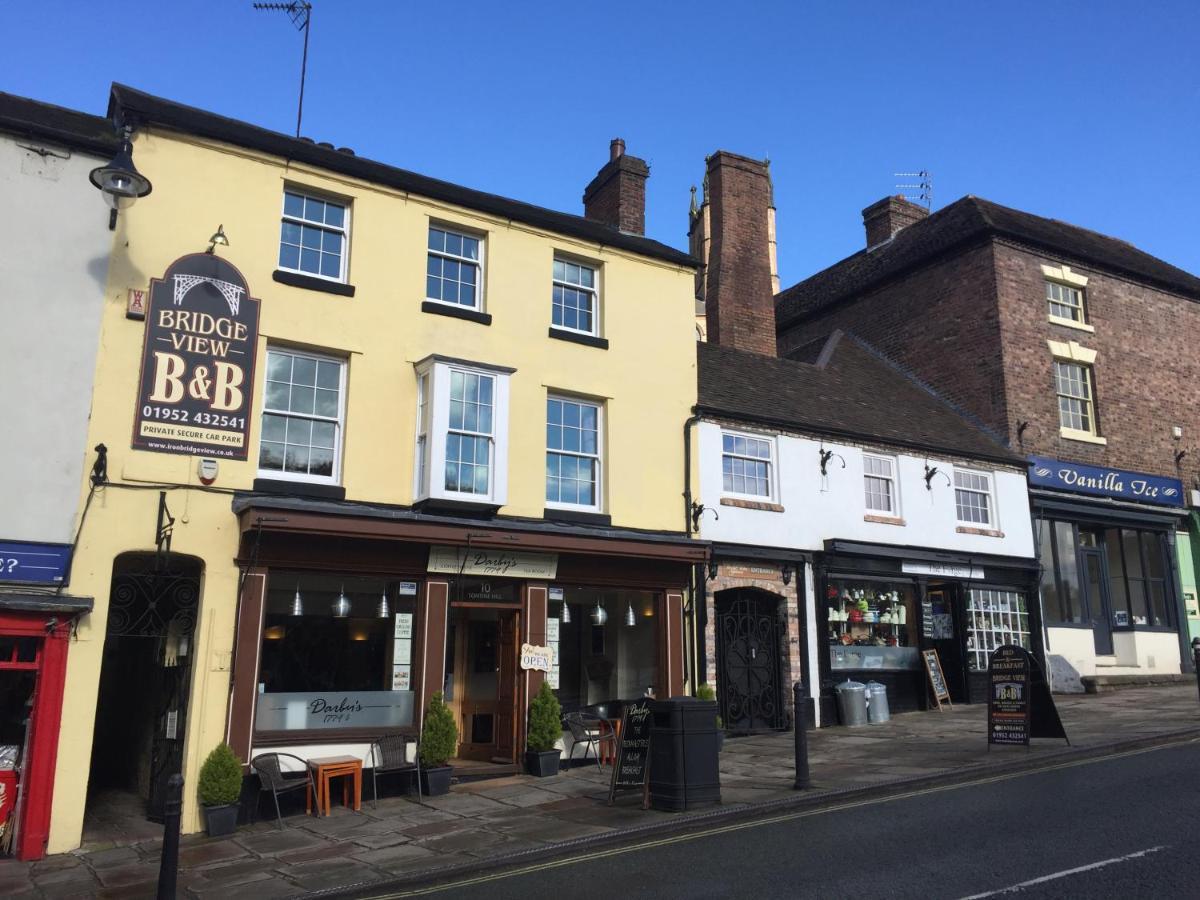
(566, 614)
(341, 606)
(384, 610)
(297, 601)
(630, 620)
(599, 614)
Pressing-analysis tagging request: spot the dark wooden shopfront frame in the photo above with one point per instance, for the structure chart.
(324, 542)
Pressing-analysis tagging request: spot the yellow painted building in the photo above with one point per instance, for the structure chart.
(541, 468)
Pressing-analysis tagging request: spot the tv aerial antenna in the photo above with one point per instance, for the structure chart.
(300, 12)
(923, 188)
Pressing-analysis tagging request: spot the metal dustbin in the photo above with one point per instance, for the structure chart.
(877, 703)
(684, 771)
(852, 702)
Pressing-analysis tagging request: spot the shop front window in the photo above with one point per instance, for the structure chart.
(603, 664)
(336, 652)
(872, 625)
(994, 618)
(1061, 600)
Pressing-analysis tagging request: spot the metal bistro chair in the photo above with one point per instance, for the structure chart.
(592, 732)
(272, 777)
(390, 754)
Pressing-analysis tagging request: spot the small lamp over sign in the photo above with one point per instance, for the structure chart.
(297, 602)
(384, 611)
(630, 618)
(566, 613)
(218, 238)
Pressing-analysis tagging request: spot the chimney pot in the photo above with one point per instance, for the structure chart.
(616, 148)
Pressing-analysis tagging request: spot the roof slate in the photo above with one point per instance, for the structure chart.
(148, 108)
(962, 223)
(32, 118)
(854, 394)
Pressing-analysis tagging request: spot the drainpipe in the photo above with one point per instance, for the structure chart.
(687, 470)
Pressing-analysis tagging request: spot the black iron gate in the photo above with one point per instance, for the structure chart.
(159, 607)
(748, 660)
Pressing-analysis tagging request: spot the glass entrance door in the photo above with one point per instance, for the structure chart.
(1099, 606)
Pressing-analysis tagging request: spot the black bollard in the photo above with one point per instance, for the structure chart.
(800, 726)
(168, 867)
(1196, 660)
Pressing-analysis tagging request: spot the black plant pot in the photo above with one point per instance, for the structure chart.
(436, 781)
(720, 740)
(221, 820)
(542, 763)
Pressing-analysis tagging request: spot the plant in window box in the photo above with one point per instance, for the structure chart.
(545, 729)
(439, 741)
(707, 692)
(219, 788)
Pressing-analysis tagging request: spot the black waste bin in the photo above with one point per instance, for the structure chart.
(684, 771)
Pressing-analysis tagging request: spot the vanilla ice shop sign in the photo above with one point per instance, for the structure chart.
(197, 379)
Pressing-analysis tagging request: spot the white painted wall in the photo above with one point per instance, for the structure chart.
(1071, 655)
(817, 509)
(53, 269)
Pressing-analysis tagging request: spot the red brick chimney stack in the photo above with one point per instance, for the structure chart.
(883, 219)
(739, 302)
(617, 195)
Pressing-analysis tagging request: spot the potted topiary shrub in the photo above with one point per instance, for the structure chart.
(706, 692)
(219, 788)
(545, 728)
(439, 741)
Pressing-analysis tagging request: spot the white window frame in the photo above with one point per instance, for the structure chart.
(1067, 291)
(424, 426)
(772, 466)
(344, 230)
(1089, 402)
(438, 369)
(595, 290)
(894, 478)
(461, 260)
(340, 438)
(988, 477)
(598, 456)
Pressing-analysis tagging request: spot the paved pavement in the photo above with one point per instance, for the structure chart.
(511, 820)
(1113, 827)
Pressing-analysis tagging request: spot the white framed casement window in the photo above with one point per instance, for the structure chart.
(1066, 303)
(575, 299)
(973, 498)
(1076, 407)
(573, 442)
(314, 235)
(462, 431)
(304, 408)
(454, 269)
(879, 485)
(747, 462)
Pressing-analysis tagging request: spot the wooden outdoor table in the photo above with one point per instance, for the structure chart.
(326, 768)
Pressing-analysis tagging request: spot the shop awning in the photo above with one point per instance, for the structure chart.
(29, 601)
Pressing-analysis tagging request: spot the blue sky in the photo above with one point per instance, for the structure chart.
(1086, 112)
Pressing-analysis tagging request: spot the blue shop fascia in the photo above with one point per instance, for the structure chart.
(1112, 596)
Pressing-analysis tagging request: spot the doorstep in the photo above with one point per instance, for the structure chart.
(1100, 684)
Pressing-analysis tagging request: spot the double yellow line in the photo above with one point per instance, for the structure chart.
(757, 823)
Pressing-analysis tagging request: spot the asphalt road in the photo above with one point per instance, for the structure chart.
(1121, 827)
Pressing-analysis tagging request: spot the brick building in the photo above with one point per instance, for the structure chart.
(1074, 348)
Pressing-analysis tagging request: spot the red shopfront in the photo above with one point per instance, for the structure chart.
(35, 631)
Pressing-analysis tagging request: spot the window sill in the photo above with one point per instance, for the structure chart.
(312, 283)
(456, 312)
(884, 520)
(751, 504)
(576, 516)
(299, 488)
(984, 532)
(575, 338)
(444, 505)
(1071, 323)
(1074, 434)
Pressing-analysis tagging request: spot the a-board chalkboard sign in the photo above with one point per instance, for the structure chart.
(937, 678)
(632, 770)
(1009, 696)
(1015, 715)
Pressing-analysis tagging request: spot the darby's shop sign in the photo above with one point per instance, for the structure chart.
(197, 379)
(1137, 487)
